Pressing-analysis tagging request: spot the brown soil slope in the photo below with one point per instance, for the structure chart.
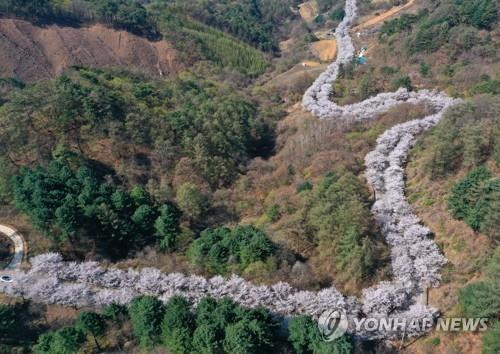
(325, 49)
(32, 53)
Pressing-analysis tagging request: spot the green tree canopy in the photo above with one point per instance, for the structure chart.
(480, 299)
(92, 324)
(491, 339)
(178, 325)
(146, 315)
(68, 205)
(305, 338)
(167, 226)
(475, 199)
(67, 340)
(116, 313)
(9, 323)
(216, 248)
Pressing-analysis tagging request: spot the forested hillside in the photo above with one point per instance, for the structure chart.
(229, 43)
(258, 23)
(448, 45)
(187, 150)
(112, 163)
(454, 184)
(187, 120)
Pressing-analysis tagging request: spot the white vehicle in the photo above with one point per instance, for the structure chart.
(6, 278)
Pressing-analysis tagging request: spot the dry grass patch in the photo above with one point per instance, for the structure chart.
(325, 49)
(309, 10)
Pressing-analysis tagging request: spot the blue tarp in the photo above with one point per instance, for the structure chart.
(361, 60)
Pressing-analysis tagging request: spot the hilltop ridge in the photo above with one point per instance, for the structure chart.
(32, 53)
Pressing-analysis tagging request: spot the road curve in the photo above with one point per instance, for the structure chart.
(19, 249)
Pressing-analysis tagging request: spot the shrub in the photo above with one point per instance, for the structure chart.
(487, 86)
(425, 69)
(402, 81)
(337, 14)
(304, 186)
(435, 341)
(273, 212)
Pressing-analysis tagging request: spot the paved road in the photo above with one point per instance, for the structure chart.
(19, 248)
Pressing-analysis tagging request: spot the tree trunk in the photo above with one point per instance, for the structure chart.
(97, 343)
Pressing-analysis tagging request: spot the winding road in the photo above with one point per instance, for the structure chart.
(416, 260)
(19, 249)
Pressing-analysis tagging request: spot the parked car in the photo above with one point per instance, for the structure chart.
(6, 278)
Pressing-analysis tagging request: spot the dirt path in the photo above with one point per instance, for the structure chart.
(18, 241)
(382, 17)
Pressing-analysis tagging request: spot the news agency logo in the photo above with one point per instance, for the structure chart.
(332, 324)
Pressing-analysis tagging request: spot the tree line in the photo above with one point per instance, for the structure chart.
(123, 14)
(193, 36)
(213, 326)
